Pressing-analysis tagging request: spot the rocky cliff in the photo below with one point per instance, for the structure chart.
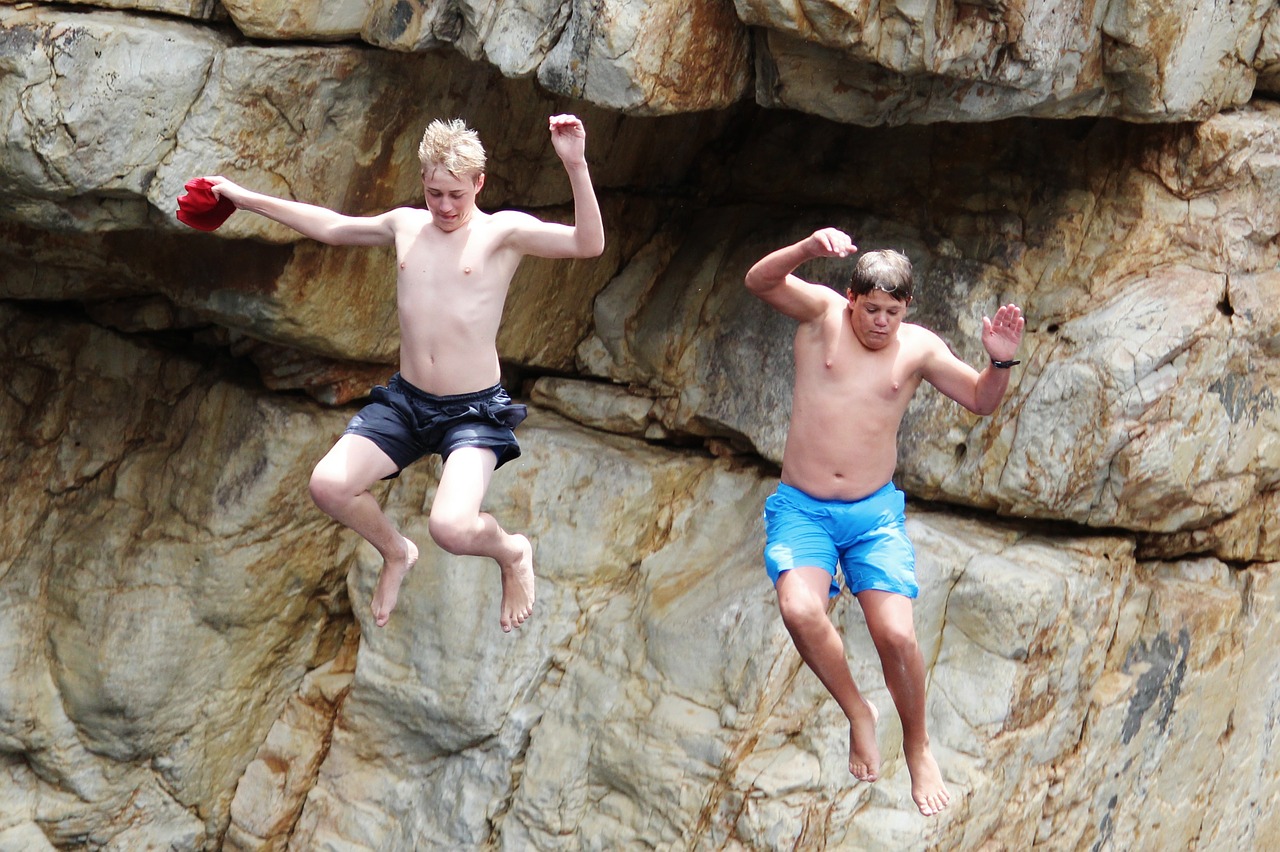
(187, 659)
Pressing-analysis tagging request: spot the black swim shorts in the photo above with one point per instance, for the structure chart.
(408, 423)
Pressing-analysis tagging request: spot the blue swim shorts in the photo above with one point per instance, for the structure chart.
(407, 423)
(868, 537)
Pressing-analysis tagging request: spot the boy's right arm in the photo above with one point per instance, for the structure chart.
(318, 223)
(772, 281)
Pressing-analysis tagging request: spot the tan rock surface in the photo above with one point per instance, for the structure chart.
(1267, 60)
(662, 324)
(854, 61)
(654, 698)
(161, 592)
(270, 794)
(326, 125)
(645, 58)
(899, 63)
(72, 162)
(200, 9)
(1144, 400)
(180, 664)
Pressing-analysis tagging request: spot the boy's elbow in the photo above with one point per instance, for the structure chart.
(589, 249)
(588, 240)
(984, 408)
(757, 284)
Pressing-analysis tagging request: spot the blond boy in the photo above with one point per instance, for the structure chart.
(454, 264)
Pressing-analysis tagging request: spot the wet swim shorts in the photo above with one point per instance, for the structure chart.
(408, 423)
(868, 537)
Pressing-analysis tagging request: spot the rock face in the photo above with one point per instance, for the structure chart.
(655, 699)
(187, 659)
(154, 619)
(646, 58)
(876, 63)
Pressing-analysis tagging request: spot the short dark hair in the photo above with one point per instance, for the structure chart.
(885, 270)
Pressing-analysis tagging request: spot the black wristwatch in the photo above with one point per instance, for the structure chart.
(1004, 365)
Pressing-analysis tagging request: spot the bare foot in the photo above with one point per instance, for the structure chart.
(389, 580)
(927, 789)
(864, 754)
(517, 587)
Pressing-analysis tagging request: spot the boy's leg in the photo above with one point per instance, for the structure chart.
(889, 620)
(458, 526)
(340, 486)
(802, 599)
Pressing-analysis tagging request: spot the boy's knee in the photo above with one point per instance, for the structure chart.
(452, 533)
(897, 640)
(326, 491)
(800, 611)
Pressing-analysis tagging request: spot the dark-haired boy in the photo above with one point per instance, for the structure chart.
(857, 365)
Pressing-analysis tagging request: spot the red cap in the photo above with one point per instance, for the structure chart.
(200, 208)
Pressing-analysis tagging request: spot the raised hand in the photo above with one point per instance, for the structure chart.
(1002, 334)
(831, 242)
(569, 138)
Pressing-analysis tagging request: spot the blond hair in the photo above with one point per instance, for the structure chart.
(452, 146)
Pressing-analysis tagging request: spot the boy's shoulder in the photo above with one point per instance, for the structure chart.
(407, 215)
(502, 224)
(918, 333)
(917, 338)
(511, 218)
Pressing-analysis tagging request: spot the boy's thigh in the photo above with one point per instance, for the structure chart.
(389, 427)
(794, 539)
(478, 434)
(356, 461)
(882, 560)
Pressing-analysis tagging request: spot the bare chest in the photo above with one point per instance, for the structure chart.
(432, 260)
(457, 275)
(836, 366)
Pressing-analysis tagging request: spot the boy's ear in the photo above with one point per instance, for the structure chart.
(479, 181)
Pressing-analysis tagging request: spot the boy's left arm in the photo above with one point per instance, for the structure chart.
(979, 392)
(585, 237)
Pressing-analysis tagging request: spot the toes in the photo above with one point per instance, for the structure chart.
(933, 805)
(863, 772)
(513, 620)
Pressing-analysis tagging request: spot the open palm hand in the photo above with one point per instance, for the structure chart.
(1002, 333)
